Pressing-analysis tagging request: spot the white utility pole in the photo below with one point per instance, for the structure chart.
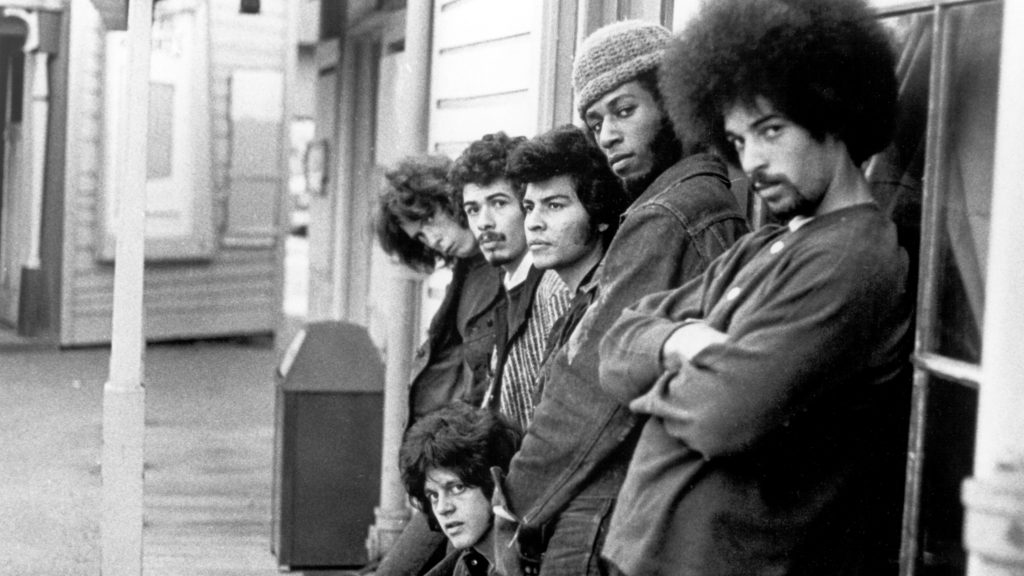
(124, 398)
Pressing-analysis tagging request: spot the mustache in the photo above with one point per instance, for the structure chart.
(490, 237)
(760, 180)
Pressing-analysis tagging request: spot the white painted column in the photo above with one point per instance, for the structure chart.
(40, 110)
(124, 399)
(413, 115)
(994, 496)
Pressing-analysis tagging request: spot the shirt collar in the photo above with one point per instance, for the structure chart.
(518, 276)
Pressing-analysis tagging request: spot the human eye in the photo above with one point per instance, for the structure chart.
(594, 126)
(499, 202)
(772, 130)
(527, 207)
(625, 110)
(555, 205)
(471, 209)
(457, 489)
(736, 143)
(432, 498)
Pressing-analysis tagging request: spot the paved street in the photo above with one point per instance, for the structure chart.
(209, 443)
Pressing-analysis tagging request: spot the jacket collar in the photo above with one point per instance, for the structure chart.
(684, 169)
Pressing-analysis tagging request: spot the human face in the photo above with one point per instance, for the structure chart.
(462, 511)
(442, 234)
(792, 171)
(558, 229)
(496, 219)
(625, 123)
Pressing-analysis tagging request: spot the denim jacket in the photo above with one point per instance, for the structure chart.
(581, 439)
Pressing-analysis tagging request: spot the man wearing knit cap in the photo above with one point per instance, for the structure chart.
(777, 384)
(557, 499)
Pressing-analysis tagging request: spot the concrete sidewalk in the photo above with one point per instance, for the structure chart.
(209, 447)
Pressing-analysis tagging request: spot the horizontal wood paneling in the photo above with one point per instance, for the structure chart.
(238, 290)
(485, 70)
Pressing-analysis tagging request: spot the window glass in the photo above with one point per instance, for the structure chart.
(896, 174)
(966, 158)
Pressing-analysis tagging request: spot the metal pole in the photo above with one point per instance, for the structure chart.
(393, 512)
(994, 497)
(124, 400)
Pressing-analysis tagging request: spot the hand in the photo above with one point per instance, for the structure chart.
(686, 342)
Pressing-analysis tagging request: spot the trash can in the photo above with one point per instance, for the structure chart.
(327, 447)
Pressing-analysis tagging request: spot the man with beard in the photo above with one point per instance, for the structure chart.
(562, 485)
(776, 383)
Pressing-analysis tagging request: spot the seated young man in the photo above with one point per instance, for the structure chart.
(446, 461)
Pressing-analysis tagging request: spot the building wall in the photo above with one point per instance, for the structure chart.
(237, 289)
(485, 71)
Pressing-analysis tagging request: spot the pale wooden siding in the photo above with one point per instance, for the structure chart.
(239, 290)
(485, 70)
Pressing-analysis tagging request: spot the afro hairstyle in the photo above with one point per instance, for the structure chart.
(828, 65)
(416, 189)
(568, 151)
(461, 439)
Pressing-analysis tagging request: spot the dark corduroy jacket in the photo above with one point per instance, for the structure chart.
(780, 450)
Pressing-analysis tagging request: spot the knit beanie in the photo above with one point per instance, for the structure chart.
(614, 55)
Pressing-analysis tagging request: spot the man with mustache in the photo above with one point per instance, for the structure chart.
(419, 222)
(562, 485)
(534, 299)
(776, 383)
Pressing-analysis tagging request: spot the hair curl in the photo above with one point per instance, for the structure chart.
(484, 162)
(827, 65)
(568, 151)
(461, 439)
(416, 189)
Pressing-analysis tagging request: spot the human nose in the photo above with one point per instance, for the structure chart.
(752, 158)
(609, 134)
(533, 220)
(433, 238)
(485, 219)
(445, 505)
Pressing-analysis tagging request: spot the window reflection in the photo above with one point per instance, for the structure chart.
(966, 162)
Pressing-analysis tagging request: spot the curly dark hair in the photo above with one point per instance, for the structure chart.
(416, 189)
(827, 65)
(483, 162)
(462, 439)
(568, 151)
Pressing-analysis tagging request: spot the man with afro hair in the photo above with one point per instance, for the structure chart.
(564, 481)
(775, 384)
